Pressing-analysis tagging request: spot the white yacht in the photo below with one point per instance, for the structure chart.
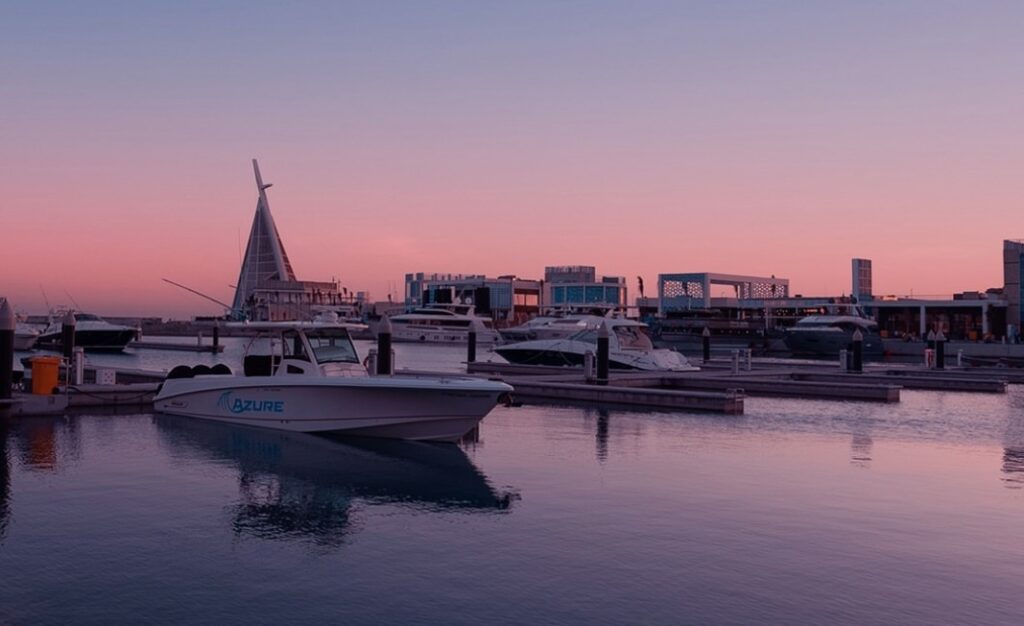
(25, 337)
(628, 344)
(442, 323)
(550, 327)
(827, 334)
(307, 377)
(92, 332)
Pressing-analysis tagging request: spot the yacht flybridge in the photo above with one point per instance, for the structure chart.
(307, 377)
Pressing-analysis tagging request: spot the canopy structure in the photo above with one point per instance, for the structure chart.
(265, 258)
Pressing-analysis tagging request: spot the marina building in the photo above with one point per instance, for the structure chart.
(689, 291)
(862, 289)
(503, 298)
(1013, 254)
(577, 287)
(510, 298)
(267, 289)
(970, 315)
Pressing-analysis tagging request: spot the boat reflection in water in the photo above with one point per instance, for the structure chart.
(302, 486)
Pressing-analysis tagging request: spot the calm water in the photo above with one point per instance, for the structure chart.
(798, 512)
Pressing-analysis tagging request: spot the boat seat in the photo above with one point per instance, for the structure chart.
(260, 364)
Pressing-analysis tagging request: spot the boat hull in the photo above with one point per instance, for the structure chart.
(419, 409)
(90, 340)
(24, 343)
(829, 343)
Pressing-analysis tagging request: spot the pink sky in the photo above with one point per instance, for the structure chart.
(642, 142)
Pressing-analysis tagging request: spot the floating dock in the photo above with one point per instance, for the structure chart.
(720, 386)
(723, 379)
(730, 402)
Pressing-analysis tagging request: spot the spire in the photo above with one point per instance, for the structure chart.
(265, 258)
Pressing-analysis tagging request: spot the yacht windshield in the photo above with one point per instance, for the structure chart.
(632, 337)
(332, 345)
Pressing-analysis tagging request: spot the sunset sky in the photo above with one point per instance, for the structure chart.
(499, 137)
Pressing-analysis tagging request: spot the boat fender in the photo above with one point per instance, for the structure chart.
(181, 371)
(506, 399)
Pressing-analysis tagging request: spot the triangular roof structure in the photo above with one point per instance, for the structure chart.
(265, 258)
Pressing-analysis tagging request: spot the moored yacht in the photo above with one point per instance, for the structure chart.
(307, 377)
(550, 327)
(25, 337)
(628, 343)
(826, 335)
(91, 332)
(442, 323)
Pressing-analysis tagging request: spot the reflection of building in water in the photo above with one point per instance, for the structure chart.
(1013, 451)
(1013, 468)
(5, 481)
(860, 449)
(299, 486)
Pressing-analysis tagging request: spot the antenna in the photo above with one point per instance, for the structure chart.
(259, 179)
(45, 299)
(72, 298)
(199, 293)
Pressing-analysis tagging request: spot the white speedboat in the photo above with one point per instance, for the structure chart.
(92, 332)
(442, 323)
(629, 347)
(308, 378)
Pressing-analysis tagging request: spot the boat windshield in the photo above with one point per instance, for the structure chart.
(332, 345)
(633, 337)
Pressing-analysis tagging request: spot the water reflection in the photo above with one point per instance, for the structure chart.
(43, 443)
(5, 481)
(293, 485)
(1013, 452)
(602, 435)
(860, 449)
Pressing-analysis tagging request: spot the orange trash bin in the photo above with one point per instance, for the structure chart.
(45, 374)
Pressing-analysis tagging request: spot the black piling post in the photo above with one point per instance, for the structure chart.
(471, 342)
(858, 351)
(706, 342)
(384, 348)
(7, 325)
(67, 335)
(216, 337)
(940, 351)
(602, 354)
